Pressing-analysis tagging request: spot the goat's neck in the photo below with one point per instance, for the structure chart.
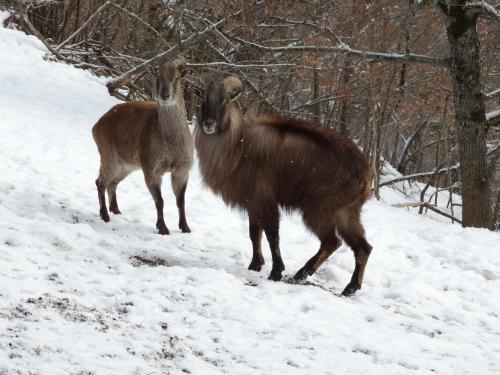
(172, 121)
(221, 152)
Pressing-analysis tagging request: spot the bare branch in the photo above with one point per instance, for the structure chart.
(242, 66)
(428, 206)
(324, 98)
(246, 79)
(133, 15)
(419, 175)
(404, 160)
(114, 83)
(493, 118)
(345, 49)
(493, 93)
(84, 25)
(483, 9)
(39, 35)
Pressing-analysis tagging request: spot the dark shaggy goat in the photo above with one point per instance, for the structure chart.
(270, 162)
(152, 136)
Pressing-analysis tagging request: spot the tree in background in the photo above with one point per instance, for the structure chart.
(321, 62)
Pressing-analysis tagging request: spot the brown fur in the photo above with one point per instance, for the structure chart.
(261, 164)
(152, 136)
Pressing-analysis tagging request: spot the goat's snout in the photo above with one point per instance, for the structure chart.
(165, 95)
(209, 126)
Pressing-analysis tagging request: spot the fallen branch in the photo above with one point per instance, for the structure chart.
(428, 206)
(419, 175)
(37, 33)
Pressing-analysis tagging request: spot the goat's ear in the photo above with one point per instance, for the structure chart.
(235, 94)
(161, 66)
(205, 79)
(180, 64)
(232, 87)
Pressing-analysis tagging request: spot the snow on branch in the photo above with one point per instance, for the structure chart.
(84, 25)
(493, 117)
(347, 50)
(190, 41)
(427, 206)
(242, 66)
(483, 9)
(136, 17)
(420, 175)
(493, 93)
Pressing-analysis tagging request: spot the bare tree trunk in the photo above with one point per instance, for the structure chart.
(469, 115)
(497, 209)
(316, 108)
(402, 78)
(376, 151)
(344, 109)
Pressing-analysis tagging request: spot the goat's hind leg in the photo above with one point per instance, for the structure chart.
(271, 225)
(362, 249)
(113, 203)
(255, 232)
(101, 194)
(329, 244)
(111, 188)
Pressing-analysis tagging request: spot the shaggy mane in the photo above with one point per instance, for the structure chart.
(341, 146)
(311, 130)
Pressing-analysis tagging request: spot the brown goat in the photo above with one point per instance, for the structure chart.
(270, 162)
(152, 136)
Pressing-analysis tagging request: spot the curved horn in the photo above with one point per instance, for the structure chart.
(179, 61)
(232, 87)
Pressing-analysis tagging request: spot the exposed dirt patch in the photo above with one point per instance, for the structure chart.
(139, 260)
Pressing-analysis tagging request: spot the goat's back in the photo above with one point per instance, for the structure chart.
(296, 163)
(119, 131)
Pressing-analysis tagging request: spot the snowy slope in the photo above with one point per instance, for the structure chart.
(79, 296)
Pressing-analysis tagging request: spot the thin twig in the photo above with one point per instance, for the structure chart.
(91, 18)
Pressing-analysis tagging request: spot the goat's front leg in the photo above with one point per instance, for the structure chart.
(154, 185)
(179, 179)
(255, 232)
(271, 224)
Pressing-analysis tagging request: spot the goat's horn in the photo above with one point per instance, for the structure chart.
(232, 87)
(179, 61)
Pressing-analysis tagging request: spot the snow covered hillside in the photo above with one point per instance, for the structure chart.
(80, 296)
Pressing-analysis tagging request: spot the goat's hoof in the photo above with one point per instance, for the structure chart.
(115, 211)
(275, 275)
(301, 274)
(162, 228)
(184, 228)
(105, 217)
(350, 289)
(256, 265)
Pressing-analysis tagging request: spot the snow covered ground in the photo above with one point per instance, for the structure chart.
(79, 296)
